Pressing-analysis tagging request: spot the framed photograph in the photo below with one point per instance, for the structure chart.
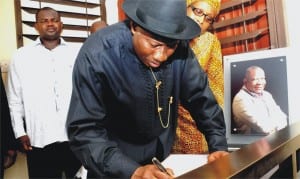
(274, 64)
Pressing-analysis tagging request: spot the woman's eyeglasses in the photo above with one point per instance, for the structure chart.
(199, 12)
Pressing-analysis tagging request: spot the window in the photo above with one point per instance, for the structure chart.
(250, 25)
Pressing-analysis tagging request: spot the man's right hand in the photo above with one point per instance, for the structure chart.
(24, 143)
(151, 171)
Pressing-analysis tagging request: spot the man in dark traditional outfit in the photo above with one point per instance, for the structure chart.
(127, 81)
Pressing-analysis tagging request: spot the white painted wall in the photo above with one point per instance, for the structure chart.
(111, 11)
(292, 18)
(293, 32)
(8, 45)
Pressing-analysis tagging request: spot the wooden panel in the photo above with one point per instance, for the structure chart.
(66, 26)
(71, 3)
(242, 26)
(238, 17)
(257, 159)
(244, 36)
(67, 38)
(66, 14)
(121, 14)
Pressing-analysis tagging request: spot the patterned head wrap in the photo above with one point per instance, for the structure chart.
(216, 4)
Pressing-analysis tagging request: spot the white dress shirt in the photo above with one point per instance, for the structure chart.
(39, 91)
(257, 113)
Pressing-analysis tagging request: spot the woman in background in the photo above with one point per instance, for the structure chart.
(207, 49)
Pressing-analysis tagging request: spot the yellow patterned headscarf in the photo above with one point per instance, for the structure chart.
(216, 4)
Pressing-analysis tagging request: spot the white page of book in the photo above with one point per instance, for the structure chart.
(183, 163)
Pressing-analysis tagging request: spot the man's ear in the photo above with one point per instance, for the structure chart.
(133, 27)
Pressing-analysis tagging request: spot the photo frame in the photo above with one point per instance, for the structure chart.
(274, 63)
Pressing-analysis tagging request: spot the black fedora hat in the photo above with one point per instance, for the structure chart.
(166, 18)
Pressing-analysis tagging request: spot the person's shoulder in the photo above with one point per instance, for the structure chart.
(267, 94)
(97, 25)
(111, 36)
(28, 46)
(207, 39)
(213, 37)
(118, 30)
(25, 50)
(70, 45)
(241, 94)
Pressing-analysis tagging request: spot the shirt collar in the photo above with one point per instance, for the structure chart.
(39, 42)
(255, 95)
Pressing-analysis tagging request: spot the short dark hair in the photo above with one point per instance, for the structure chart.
(43, 9)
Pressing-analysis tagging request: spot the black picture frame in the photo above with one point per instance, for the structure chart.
(274, 63)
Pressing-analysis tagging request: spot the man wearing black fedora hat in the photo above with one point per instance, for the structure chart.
(128, 79)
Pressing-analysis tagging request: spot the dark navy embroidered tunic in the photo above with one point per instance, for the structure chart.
(113, 123)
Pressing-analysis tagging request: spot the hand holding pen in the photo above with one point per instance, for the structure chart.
(157, 170)
(157, 163)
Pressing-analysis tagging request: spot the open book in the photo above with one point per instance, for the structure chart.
(183, 163)
(179, 163)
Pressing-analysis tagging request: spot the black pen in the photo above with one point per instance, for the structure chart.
(157, 163)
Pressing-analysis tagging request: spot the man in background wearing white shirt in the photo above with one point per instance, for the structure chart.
(39, 91)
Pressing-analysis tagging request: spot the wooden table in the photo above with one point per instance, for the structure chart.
(257, 159)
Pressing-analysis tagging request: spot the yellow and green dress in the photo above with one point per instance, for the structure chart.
(207, 49)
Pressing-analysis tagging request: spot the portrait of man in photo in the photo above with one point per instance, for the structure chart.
(259, 96)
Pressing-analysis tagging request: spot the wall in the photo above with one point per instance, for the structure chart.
(292, 19)
(293, 33)
(8, 45)
(112, 11)
(7, 31)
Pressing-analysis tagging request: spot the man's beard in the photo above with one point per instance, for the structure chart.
(51, 37)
